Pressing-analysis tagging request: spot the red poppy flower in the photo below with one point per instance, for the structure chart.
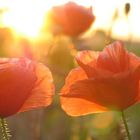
(72, 19)
(107, 80)
(24, 85)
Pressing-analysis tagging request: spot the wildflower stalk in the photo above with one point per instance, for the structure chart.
(4, 129)
(109, 33)
(125, 125)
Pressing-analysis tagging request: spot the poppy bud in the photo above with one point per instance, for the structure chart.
(127, 8)
(72, 19)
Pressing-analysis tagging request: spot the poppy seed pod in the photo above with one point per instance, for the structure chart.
(24, 85)
(72, 19)
(107, 80)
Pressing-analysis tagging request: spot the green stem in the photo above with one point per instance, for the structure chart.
(125, 125)
(4, 130)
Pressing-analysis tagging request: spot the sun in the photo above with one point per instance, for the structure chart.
(25, 16)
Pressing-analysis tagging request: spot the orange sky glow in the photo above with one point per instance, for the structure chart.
(26, 16)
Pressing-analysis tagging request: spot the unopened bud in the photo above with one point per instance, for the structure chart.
(127, 8)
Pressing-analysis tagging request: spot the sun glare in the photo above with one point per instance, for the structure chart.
(26, 16)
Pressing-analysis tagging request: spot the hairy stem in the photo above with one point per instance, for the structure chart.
(4, 130)
(125, 125)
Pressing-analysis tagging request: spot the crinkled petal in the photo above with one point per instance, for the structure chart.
(135, 70)
(75, 75)
(134, 61)
(43, 91)
(138, 99)
(16, 82)
(114, 58)
(113, 93)
(87, 58)
(77, 106)
(88, 62)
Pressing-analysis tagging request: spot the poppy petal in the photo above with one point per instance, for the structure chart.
(86, 57)
(79, 106)
(134, 61)
(134, 66)
(72, 105)
(16, 82)
(75, 75)
(68, 17)
(88, 61)
(112, 82)
(76, 13)
(43, 90)
(138, 99)
(110, 93)
(60, 12)
(114, 58)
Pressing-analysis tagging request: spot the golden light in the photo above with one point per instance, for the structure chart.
(99, 122)
(26, 16)
(123, 27)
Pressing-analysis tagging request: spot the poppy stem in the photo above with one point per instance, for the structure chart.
(125, 125)
(4, 129)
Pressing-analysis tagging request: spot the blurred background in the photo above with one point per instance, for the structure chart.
(27, 29)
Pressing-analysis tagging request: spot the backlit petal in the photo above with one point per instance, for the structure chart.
(75, 75)
(77, 106)
(88, 62)
(134, 61)
(87, 58)
(16, 82)
(114, 93)
(112, 82)
(43, 91)
(114, 58)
